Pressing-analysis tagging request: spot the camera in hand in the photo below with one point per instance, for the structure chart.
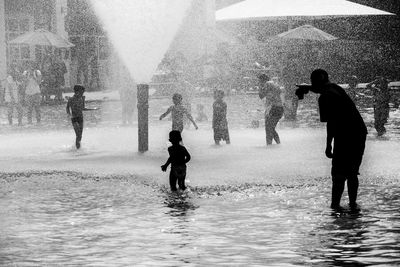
(302, 89)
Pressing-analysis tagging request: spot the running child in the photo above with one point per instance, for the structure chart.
(219, 122)
(178, 110)
(75, 106)
(178, 157)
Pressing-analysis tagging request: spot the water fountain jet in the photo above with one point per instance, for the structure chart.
(141, 33)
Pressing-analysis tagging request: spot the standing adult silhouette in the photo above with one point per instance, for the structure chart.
(345, 128)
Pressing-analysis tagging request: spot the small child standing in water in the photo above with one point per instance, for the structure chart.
(219, 122)
(178, 157)
(178, 111)
(75, 106)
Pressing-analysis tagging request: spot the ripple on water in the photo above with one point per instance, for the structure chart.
(68, 218)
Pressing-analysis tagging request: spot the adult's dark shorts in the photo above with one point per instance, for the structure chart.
(347, 155)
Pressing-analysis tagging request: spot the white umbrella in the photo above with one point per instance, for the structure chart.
(282, 9)
(42, 37)
(307, 32)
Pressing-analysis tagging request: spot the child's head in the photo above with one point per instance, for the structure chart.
(79, 89)
(219, 94)
(175, 137)
(177, 98)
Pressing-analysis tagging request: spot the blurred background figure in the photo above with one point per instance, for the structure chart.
(289, 75)
(201, 116)
(352, 89)
(12, 96)
(220, 122)
(32, 80)
(59, 69)
(128, 99)
(380, 92)
(48, 77)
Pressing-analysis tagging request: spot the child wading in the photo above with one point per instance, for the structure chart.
(178, 111)
(219, 122)
(75, 106)
(178, 157)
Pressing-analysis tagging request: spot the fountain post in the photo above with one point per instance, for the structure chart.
(143, 117)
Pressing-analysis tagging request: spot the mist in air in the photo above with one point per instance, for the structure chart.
(141, 39)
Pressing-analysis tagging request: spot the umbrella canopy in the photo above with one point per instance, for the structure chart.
(282, 9)
(307, 32)
(42, 37)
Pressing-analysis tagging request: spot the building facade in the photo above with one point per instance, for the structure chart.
(21, 16)
(91, 60)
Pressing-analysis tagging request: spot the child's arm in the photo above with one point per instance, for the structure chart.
(165, 114)
(187, 156)
(165, 166)
(85, 108)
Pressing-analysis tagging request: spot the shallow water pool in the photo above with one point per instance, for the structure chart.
(73, 219)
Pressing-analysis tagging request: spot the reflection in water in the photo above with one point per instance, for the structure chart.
(365, 238)
(69, 219)
(179, 203)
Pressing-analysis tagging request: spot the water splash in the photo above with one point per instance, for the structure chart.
(141, 31)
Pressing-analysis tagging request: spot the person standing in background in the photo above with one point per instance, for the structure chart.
(273, 107)
(12, 97)
(32, 81)
(352, 89)
(380, 92)
(219, 122)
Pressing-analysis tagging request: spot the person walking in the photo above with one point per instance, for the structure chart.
(33, 79)
(178, 157)
(273, 107)
(346, 129)
(75, 106)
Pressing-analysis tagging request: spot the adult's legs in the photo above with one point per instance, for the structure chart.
(19, 113)
(352, 189)
(337, 190)
(275, 115)
(269, 129)
(36, 105)
(380, 118)
(10, 108)
(29, 99)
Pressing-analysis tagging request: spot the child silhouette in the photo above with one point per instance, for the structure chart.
(178, 157)
(178, 110)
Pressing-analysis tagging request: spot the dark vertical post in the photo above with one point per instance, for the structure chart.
(143, 116)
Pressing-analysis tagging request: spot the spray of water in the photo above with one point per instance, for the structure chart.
(141, 31)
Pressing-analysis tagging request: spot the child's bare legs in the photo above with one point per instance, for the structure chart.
(177, 174)
(78, 128)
